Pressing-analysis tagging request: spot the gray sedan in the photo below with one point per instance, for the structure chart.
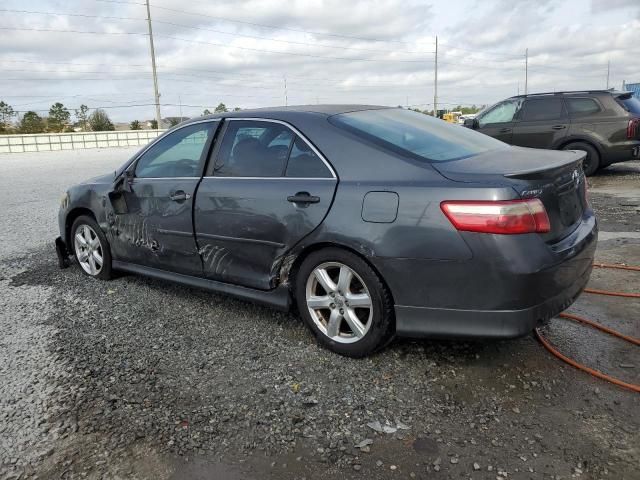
(372, 221)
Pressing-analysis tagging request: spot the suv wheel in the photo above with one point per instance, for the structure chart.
(344, 303)
(91, 248)
(592, 160)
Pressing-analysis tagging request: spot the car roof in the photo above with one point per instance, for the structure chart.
(571, 92)
(290, 112)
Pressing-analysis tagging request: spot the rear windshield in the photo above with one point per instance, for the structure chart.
(416, 134)
(631, 104)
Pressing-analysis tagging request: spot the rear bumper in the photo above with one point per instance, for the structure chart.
(451, 323)
(508, 288)
(621, 152)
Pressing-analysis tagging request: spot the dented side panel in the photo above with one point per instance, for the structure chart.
(244, 226)
(147, 227)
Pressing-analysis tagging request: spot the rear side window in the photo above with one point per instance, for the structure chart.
(304, 163)
(253, 149)
(630, 104)
(415, 134)
(537, 109)
(582, 106)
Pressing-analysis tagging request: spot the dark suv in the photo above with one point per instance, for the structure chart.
(603, 123)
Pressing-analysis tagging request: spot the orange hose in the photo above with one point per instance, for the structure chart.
(611, 294)
(602, 328)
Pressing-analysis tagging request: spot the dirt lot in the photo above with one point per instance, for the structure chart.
(136, 378)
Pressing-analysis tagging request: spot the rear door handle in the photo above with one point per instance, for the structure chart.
(179, 196)
(303, 197)
(504, 130)
(558, 127)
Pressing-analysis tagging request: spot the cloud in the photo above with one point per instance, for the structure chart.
(209, 52)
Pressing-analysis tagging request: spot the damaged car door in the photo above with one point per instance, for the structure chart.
(151, 222)
(265, 189)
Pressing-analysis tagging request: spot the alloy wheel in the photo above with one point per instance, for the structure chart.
(88, 250)
(339, 302)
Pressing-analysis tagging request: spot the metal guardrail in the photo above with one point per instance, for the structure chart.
(45, 142)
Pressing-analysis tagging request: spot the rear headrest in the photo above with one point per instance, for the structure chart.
(247, 147)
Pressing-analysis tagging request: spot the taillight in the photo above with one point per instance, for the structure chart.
(632, 128)
(508, 217)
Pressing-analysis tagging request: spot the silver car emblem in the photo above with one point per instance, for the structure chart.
(575, 176)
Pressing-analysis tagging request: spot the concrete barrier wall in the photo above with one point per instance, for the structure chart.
(41, 142)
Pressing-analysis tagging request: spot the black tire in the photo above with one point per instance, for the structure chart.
(591, 163)
(105, 272)
(381, 328)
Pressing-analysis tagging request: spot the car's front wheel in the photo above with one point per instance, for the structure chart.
(91, 248)
(344, 302)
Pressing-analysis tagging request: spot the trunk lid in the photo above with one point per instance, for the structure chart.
(556, 178)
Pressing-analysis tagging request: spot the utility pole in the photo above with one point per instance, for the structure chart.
(286, 100)
(526, 71)
(608, 68)
(435, 83)
(153, 67)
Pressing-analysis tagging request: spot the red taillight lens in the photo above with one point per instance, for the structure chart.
(632, 128)
(508, 217)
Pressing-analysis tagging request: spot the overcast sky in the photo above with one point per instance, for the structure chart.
(334, 51)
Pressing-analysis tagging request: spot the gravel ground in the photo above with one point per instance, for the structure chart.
(137, 378)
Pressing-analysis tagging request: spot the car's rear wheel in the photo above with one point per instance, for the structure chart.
(344, 302)
(591, 162)
(91, 248)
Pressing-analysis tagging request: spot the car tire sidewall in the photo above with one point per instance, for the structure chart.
(106, 272)
(593, 157)
(382, 329)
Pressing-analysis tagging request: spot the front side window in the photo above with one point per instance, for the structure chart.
(582, 106)
(416, 135)
(504, 112)
(539, 109)
(252, 148)
(179, 154)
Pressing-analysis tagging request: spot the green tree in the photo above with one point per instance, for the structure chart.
(173, 121)
(6, 113)
(31, 123)
(135, 125)
(237, 109)
(221, 108)
(206, 112)
(82, 117)
(154, 124)
(100, 121)
(58, 118)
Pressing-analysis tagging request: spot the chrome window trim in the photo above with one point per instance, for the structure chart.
(165, 178)
(297, 132)
(320, 179)
(160, 137)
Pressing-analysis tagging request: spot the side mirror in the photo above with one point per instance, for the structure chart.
(472, 123)
(123, 182)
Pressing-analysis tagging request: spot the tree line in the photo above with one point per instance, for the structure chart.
(58, 120)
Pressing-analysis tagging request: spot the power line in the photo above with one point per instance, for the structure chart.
(297, 54)
(262, 25)
(275, 52)
(182, 25)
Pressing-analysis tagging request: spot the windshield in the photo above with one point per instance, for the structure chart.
(417, 134)
(631, 104)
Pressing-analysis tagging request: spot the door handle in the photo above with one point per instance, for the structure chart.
(179, 196)
(558, 127)
(504, 130)
(303, 197)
